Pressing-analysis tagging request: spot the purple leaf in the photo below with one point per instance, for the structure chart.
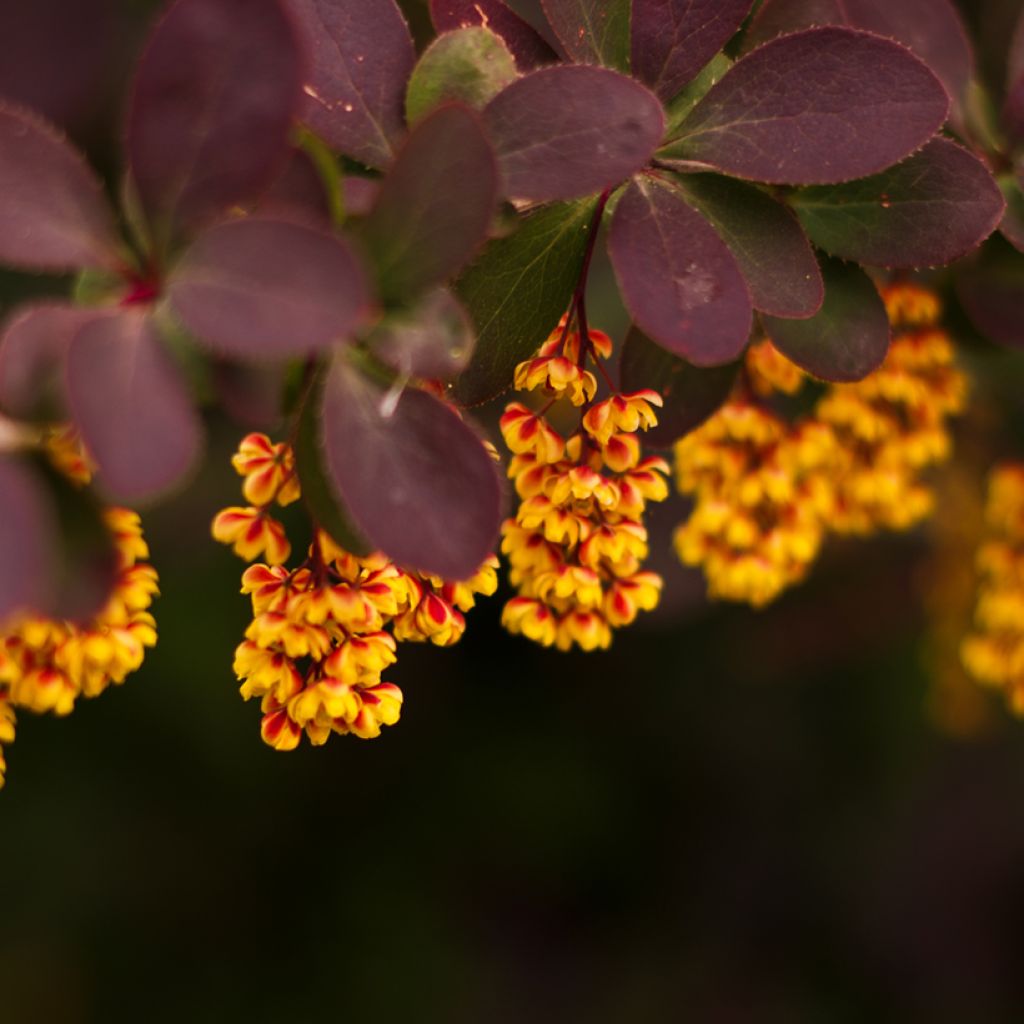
(929, 210)
(28, 530)
(678, 279)
(362, 55)
(691, 394)
(33, 348)
(214, 97)
(564, 132)
(527, 45)
(415, 480)
(932, 29)
(53, 214)
(435, 207)
(592, 31)
(991, 291)
(264, 288)
(129, 401)
(773, 254)
(848, 338)
(1013, 109)
(673, 39)
(298, 192)
(815, 107)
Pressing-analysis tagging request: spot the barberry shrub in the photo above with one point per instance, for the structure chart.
(392, 236)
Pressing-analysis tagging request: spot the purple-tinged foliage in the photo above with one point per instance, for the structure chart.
(1012, 224)
(298, 192)
(690, 393)
(53, 213)
(932, 29)
(564, 132)
(415, 480)
(265, 288)
(764, 236)
(28, 527)
(527, 45)
(131, 404)
(991, 290)
(592, 31)
(847, 338)
(213, 101)
(930, 209)
(673, 39)
(816, 107)
(33, 348)
(434, 208)
(361, 57)
(679, 281)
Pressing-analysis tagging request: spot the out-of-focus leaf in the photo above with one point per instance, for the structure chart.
(691, 94)
(933, 29)
(517, 291)
(360, 195)
(127, 398)
(928, 210)
(991, 290)
(28, 529)
(213, 101)
(569, 131)
(527, 46)
(264, 288)
(1012, 224)
(33, 348)
(415, 480)
(773, 254)
(691, 393)
(318, 495)
(680, 283)
(673, 39)
(53, 214)
(592, 31)
(470, 65)
(848, 338)
(435, 207)
(362, 54)
(816, 107)
(432, 341)
(252, 394)
(299, 192)
(1013, 110)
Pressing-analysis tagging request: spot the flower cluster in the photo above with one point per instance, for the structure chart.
(994, 652)
(47, 664)
(577, 542)
(767, 491)
(323, 633)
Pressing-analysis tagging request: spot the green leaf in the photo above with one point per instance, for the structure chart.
(470, 65)
(517, 291)
(683, 102)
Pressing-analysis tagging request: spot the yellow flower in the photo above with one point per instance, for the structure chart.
(622, 413)
(269, 471)
(526, 433)
(251, 532)
(558, 377)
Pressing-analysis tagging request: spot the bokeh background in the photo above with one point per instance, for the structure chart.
(800, 814)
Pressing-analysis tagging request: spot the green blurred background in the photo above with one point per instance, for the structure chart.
(802, 814)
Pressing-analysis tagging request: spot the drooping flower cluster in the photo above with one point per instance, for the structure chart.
(577, 542)
(994, 652)
(767, 491)
(46, 664)
(323, 633)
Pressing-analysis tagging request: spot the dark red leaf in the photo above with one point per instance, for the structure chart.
(673, 39)
(991, 291)
(592, 31)
(815, 107)
(415, 480)
(28, 529)
(848, 338)
(527, 46)
(564, 132)
(1013, 109)
(298, 192)
(53, 214)
(214, 97)
(362, 54)
(265, 288)
(434, 209)
(129, 401)
(680, 282)
(933, 29)
(929, 210)
(691, 393)
(773, 254)
(33, 348)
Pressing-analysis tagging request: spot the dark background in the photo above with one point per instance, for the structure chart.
(802, 814)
